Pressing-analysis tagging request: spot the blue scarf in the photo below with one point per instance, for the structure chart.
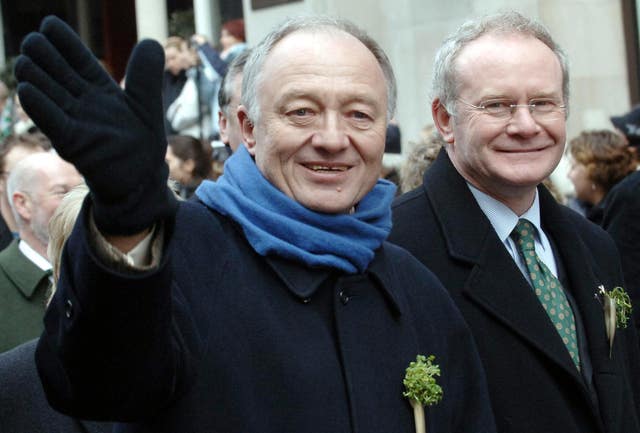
(273, 223)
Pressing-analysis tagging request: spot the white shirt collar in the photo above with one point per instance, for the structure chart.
(32, 255)
(504, 220)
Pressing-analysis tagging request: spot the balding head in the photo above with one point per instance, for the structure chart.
(34, 188)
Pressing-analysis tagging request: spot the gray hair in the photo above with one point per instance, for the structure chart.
(445, 81)
(253, 69)
(227, 85)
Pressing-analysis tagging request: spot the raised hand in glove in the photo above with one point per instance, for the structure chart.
(115, 138)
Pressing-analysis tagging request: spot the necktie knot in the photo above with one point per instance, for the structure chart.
(523, 235)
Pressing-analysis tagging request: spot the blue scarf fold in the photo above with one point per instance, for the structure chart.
(273, 223)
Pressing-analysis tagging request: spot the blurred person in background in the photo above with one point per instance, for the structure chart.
(420, 158)
(229, 100)
(629, 125)
(189, 163)
(36, 186)
(216, 63)
(232, 39)
(190, 112)
(6, 110)
(22, 123)
(229, 94)
(599, 159)
(14, 148)
(175, 74)
(392, 158)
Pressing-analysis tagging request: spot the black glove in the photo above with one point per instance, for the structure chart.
(115, 138)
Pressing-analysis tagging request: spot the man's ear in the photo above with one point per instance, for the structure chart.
(22, 205)
(247, 127)
(442, 120)
(223, 127)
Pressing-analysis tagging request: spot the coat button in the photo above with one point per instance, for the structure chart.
(344, 298)
(68, 309)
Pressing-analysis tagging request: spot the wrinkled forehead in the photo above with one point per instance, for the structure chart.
(312, 44)
(328, 47)
(497, 58)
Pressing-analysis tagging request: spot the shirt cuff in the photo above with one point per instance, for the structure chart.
(144, 257)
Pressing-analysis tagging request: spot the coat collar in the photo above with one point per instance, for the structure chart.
(21, 271)
(463, 224)
(303, 281)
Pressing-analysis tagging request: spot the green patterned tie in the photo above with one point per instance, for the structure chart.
(547, 288)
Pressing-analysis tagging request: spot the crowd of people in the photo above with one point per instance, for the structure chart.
(146, 287)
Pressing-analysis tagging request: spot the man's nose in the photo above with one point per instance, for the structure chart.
(331, 134)
(522, 122)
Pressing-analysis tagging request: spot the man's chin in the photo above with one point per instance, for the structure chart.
(324, 203)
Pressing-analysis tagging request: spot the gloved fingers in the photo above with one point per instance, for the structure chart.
(47, 57)
(143, 82)
(76, 54)
(50, 118)
(28, 72)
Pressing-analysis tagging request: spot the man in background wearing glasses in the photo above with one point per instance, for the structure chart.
(500, 94)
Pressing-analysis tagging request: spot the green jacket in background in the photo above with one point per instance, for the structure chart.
(23, 287)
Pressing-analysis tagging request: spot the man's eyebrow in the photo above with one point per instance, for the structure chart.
(292, 94)
(296, 94)
(360, 98)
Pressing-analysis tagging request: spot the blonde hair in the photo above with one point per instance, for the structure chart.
(60, 226)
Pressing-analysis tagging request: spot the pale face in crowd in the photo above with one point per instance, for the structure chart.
(227, 40)
(320, 135)
(174, 60)
(179, 170)
(230, 132)
(584, 188)
(505, 158)
(55, 179)
(14, 156)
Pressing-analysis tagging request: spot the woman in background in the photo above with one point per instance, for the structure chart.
(189, 163)
(599, 160)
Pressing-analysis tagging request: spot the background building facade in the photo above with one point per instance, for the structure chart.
(599, 36)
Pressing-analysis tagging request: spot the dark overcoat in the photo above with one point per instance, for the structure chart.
(220, 339)
(619, 214)
(23, 406)
(533, 384)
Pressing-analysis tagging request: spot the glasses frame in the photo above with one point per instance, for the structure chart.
(559, 108)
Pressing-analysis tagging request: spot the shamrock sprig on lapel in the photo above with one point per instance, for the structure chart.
(422, 388)
(617, 310)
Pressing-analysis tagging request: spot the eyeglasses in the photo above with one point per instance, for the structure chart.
(503, 109)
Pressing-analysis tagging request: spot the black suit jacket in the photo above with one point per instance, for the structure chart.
(534, 387)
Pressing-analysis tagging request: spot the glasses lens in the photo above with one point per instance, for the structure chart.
(546, 109)
(497, 108)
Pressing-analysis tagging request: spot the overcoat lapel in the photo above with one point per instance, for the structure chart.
(494, 282)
